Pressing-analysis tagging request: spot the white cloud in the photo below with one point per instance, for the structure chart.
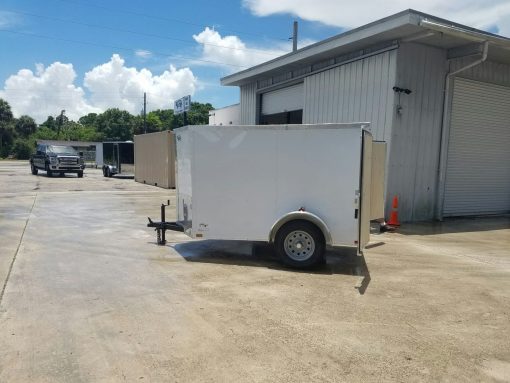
(114, 85)
(8, 19)
(142, 53)
(50, 89)
(233, 52)
(349, 14)
(47, 91)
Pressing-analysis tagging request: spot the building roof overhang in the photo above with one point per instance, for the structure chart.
(406, 26)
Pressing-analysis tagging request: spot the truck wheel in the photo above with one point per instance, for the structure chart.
(104, 172)
(80, 174)
(300, 244)
(49, 173)
(108, 172)
(34, 169)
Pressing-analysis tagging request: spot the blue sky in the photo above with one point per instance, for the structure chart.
(86, 56)
(51, 31)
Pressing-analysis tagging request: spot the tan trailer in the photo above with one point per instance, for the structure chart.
(155, 159)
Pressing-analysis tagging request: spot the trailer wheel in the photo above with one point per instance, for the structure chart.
(300, 244)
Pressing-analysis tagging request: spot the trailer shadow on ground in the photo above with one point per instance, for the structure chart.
(259, 254)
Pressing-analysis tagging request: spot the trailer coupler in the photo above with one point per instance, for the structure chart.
(163, 226)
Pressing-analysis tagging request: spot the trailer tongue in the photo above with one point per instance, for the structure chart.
(162, 226)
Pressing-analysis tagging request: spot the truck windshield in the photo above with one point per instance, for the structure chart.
(62, 150)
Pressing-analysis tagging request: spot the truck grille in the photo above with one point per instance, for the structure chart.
(68, 161)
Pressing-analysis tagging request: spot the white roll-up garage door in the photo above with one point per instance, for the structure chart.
(478, 164)
(283, 100)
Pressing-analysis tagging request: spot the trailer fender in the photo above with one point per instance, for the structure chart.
(304, 216)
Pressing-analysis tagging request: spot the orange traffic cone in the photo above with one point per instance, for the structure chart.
(393, 221)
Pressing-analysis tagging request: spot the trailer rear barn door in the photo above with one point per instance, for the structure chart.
(478, 164)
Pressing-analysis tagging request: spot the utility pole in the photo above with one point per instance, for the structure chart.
(144, 113)
(294, 36)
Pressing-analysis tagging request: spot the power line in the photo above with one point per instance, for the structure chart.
(119, 48)
(64, 92)
(155, 17)
(261, 51)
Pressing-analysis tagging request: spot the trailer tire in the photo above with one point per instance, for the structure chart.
(300, 244)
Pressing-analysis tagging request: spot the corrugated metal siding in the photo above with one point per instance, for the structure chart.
(414, 155)
(248, 101)
(358, 91)
(488, 71)
(478, 165)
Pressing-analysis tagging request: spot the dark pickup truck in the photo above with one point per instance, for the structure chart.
(57, 159)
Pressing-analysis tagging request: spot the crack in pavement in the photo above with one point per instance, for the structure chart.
(16, 252)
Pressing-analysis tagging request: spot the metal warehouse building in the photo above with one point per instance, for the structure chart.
(438, 92)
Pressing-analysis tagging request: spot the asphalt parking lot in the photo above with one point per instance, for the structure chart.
(87, 296)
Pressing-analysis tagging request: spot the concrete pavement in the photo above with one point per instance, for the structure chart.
(91, 298)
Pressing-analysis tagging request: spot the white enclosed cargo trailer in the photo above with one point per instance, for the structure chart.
(301, 187)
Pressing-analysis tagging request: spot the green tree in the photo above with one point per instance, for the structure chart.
(74, 131)
(23, 149)
(44, 133)
(153, 122)
(61, 120)
(5, 111)
(166, 116)
(25, 126)
(116, 124)
(7, 136)
(7, 133)
(50, 123)
(89, 120)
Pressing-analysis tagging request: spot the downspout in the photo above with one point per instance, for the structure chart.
(445, 130)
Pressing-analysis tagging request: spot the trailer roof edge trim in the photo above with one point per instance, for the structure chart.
(357, 125)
